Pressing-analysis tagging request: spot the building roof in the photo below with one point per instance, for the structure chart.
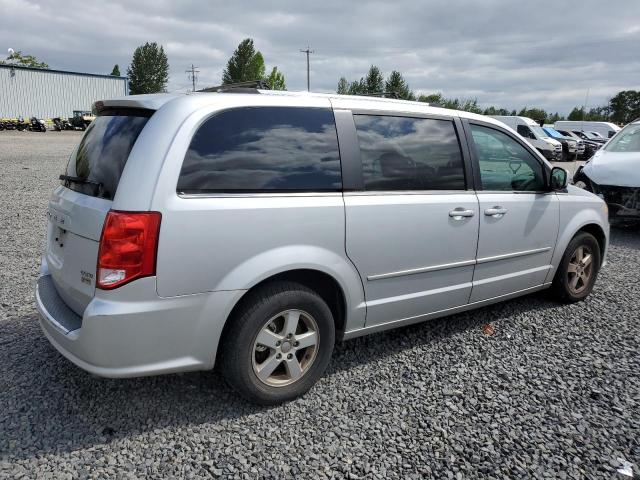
(49, 70)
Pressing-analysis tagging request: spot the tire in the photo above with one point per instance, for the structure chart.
(565, 288)
(565, 156)
(241, 355)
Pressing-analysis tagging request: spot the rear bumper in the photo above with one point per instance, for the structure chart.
(131, 332)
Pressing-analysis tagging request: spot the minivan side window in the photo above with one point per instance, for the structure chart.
(405, 153)
(505, 165)
(263, 149)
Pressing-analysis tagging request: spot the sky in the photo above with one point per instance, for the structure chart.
(506, 53)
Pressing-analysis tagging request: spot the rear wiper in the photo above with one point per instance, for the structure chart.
(69, 178)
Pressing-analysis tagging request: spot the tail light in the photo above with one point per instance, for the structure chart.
(128, 247)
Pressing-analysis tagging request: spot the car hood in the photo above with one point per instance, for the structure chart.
(613, 168)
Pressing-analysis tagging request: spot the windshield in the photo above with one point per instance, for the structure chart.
(552, 132)
(627, 140)
(590, 136)
(539, 132)
(596, 134)
(96, 165)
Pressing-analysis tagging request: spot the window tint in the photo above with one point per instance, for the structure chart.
(263, 149)
(524, 131)
(400, 153)
(505, 165)
(97, 164)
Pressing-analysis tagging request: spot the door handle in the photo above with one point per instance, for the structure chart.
(495, 212)
(460, 213)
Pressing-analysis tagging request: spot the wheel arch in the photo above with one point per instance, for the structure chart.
(597, 231)
(585, 220)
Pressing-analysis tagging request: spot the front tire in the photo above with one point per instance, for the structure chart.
(578, 269)
(278, 344)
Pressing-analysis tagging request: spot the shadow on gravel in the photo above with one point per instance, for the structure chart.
(48, 405)
(627, 237)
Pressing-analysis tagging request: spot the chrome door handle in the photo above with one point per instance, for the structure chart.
(459, 213)
(495, 212)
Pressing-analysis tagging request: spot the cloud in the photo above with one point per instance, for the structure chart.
(504, 53)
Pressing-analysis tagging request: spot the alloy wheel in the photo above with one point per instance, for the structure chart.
(580, 269)
(285, 348)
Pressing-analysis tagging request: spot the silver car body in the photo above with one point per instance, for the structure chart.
(397, 257)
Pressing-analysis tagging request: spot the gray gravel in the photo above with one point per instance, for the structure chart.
(553, 393)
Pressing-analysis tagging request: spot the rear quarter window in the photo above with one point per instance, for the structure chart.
(95, 167)
(263, 149)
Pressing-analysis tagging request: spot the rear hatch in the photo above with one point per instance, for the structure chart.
(78, 207)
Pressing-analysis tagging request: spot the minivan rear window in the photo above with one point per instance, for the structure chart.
(95, 167)
(263, 149)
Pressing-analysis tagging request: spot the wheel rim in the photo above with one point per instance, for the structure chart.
(580, 269)
(581, 184)
(285, 348)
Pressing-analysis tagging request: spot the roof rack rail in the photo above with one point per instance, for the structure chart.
(380, 94)
(240, 87)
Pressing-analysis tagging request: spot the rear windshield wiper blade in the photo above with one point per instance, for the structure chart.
(69, 178)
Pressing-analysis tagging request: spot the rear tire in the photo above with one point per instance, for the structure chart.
(578, 269)
(278, 343)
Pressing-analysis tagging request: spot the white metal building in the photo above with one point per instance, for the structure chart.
(33, 92)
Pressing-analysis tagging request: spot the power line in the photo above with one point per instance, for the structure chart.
(193, 76)
(307, 51)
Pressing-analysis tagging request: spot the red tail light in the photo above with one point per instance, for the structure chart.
(128, 247)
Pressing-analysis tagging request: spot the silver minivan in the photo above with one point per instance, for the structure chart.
(251, 230)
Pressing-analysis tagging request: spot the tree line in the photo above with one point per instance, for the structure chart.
(622, 108)
(149, 73)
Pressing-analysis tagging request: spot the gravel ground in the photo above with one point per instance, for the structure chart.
(553, 393)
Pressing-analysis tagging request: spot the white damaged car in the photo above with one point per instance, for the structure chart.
(614, 174)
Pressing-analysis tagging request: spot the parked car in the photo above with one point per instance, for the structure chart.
(590, 136)
(614, 173)
(252, 231)
(572, 148)
(533, 133)
(606, 130)
(590, 147)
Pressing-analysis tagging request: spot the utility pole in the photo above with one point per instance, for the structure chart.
(307, 51)
(584, 109)
(193, 74)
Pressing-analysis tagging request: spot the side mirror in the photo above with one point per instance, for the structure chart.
(558, 178)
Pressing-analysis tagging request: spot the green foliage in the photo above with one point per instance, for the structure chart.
(397, 84)
(20, 60)
(343, 86)
(275, 80)
(374, 83)
(116, 71)
(435, 99)
(625, 106)
(149, 69)
(536, 114)
(493, 111)
(554, 118)
(246, 64)
(358, 87)
(374, 80)
(576, 114)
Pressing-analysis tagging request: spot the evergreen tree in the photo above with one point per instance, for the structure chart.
(359, 87)
(343, 86)
(374, 81)
(116, 71)
(576, 114)
(245, 64)
(149, 69)
(275, 80)
(397, 84)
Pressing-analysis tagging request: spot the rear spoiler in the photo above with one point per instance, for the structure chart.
(100, 110)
